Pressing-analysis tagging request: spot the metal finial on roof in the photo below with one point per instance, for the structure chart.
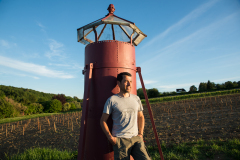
(111, 8)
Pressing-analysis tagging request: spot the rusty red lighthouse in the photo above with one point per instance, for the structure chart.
(110, 49)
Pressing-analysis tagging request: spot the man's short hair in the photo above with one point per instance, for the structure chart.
(120, 76)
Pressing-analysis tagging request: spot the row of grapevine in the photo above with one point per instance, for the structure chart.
(188, 96)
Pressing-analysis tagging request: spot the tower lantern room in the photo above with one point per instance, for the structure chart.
(110, 27)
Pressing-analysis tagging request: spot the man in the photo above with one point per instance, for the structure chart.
(128, 122)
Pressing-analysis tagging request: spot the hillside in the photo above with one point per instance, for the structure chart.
(25, 95)
(19, 101)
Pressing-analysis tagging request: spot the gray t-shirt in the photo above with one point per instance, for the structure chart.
(124, 112)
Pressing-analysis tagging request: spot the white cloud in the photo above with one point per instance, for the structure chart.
(16, 73)
(192, 15)
(146, 82)
(68, 66)
(176, 86)
(33, 68)
(36, 77)
(149, 81)
(7, 44)
(56, 50)
(40, 25)
(59, 65)
(4, 43)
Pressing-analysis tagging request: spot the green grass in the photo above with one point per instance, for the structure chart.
(15, 119)
(44, 154)
(200, 150)
(191, 96)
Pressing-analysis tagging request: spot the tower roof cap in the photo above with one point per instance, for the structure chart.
(110, 27)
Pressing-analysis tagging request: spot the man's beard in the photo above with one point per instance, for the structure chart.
(124, 90)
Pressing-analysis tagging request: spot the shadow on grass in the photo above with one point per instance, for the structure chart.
(44, 153)
(200, 150)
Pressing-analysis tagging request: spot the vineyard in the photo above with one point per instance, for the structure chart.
(176, 122)
(59, 131)
(189, 120)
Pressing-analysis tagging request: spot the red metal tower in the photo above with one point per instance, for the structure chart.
(110, 50)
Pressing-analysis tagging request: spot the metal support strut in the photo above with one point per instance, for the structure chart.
(150, 113)
(86, 109)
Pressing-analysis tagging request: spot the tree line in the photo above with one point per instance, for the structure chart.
(203, 87)
(19, 101)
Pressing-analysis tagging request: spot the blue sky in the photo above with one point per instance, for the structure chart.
(187, 42)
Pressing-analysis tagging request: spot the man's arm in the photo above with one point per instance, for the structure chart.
(141, 123)
(103, 123)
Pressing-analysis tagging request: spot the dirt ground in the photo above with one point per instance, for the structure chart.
(179, 121)
(66, 135)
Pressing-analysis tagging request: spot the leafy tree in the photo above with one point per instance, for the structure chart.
(66, 107)
(69, 99)
(235, 84)
(18, 107)
(210, 85)
(229, 84)
(72, 106)
(32, 98)
(60, 97)
(193, 88)
(238, 83)
(77, 104)
(76, 99)
(165, 93)
(160, 94)
(42, 99)
(153, 93)
(172, 93)
(53, 106)
(219, 86)
(6, 109)
(202, 87)
(140, 93)
(2, 94)
(39, 107)
(23, 100)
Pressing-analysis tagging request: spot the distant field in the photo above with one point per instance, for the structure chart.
(191, 96)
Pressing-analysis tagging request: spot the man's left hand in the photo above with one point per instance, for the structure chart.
(140, 135)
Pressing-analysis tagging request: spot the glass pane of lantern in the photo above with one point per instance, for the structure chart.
(80, 34)
(128, 30)
(120, 35)
(84, 42)
(134, 35)
(107, 33)
(99, 28)
(87, 31)
(96, 23)
(115, 19)
(89, 34)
